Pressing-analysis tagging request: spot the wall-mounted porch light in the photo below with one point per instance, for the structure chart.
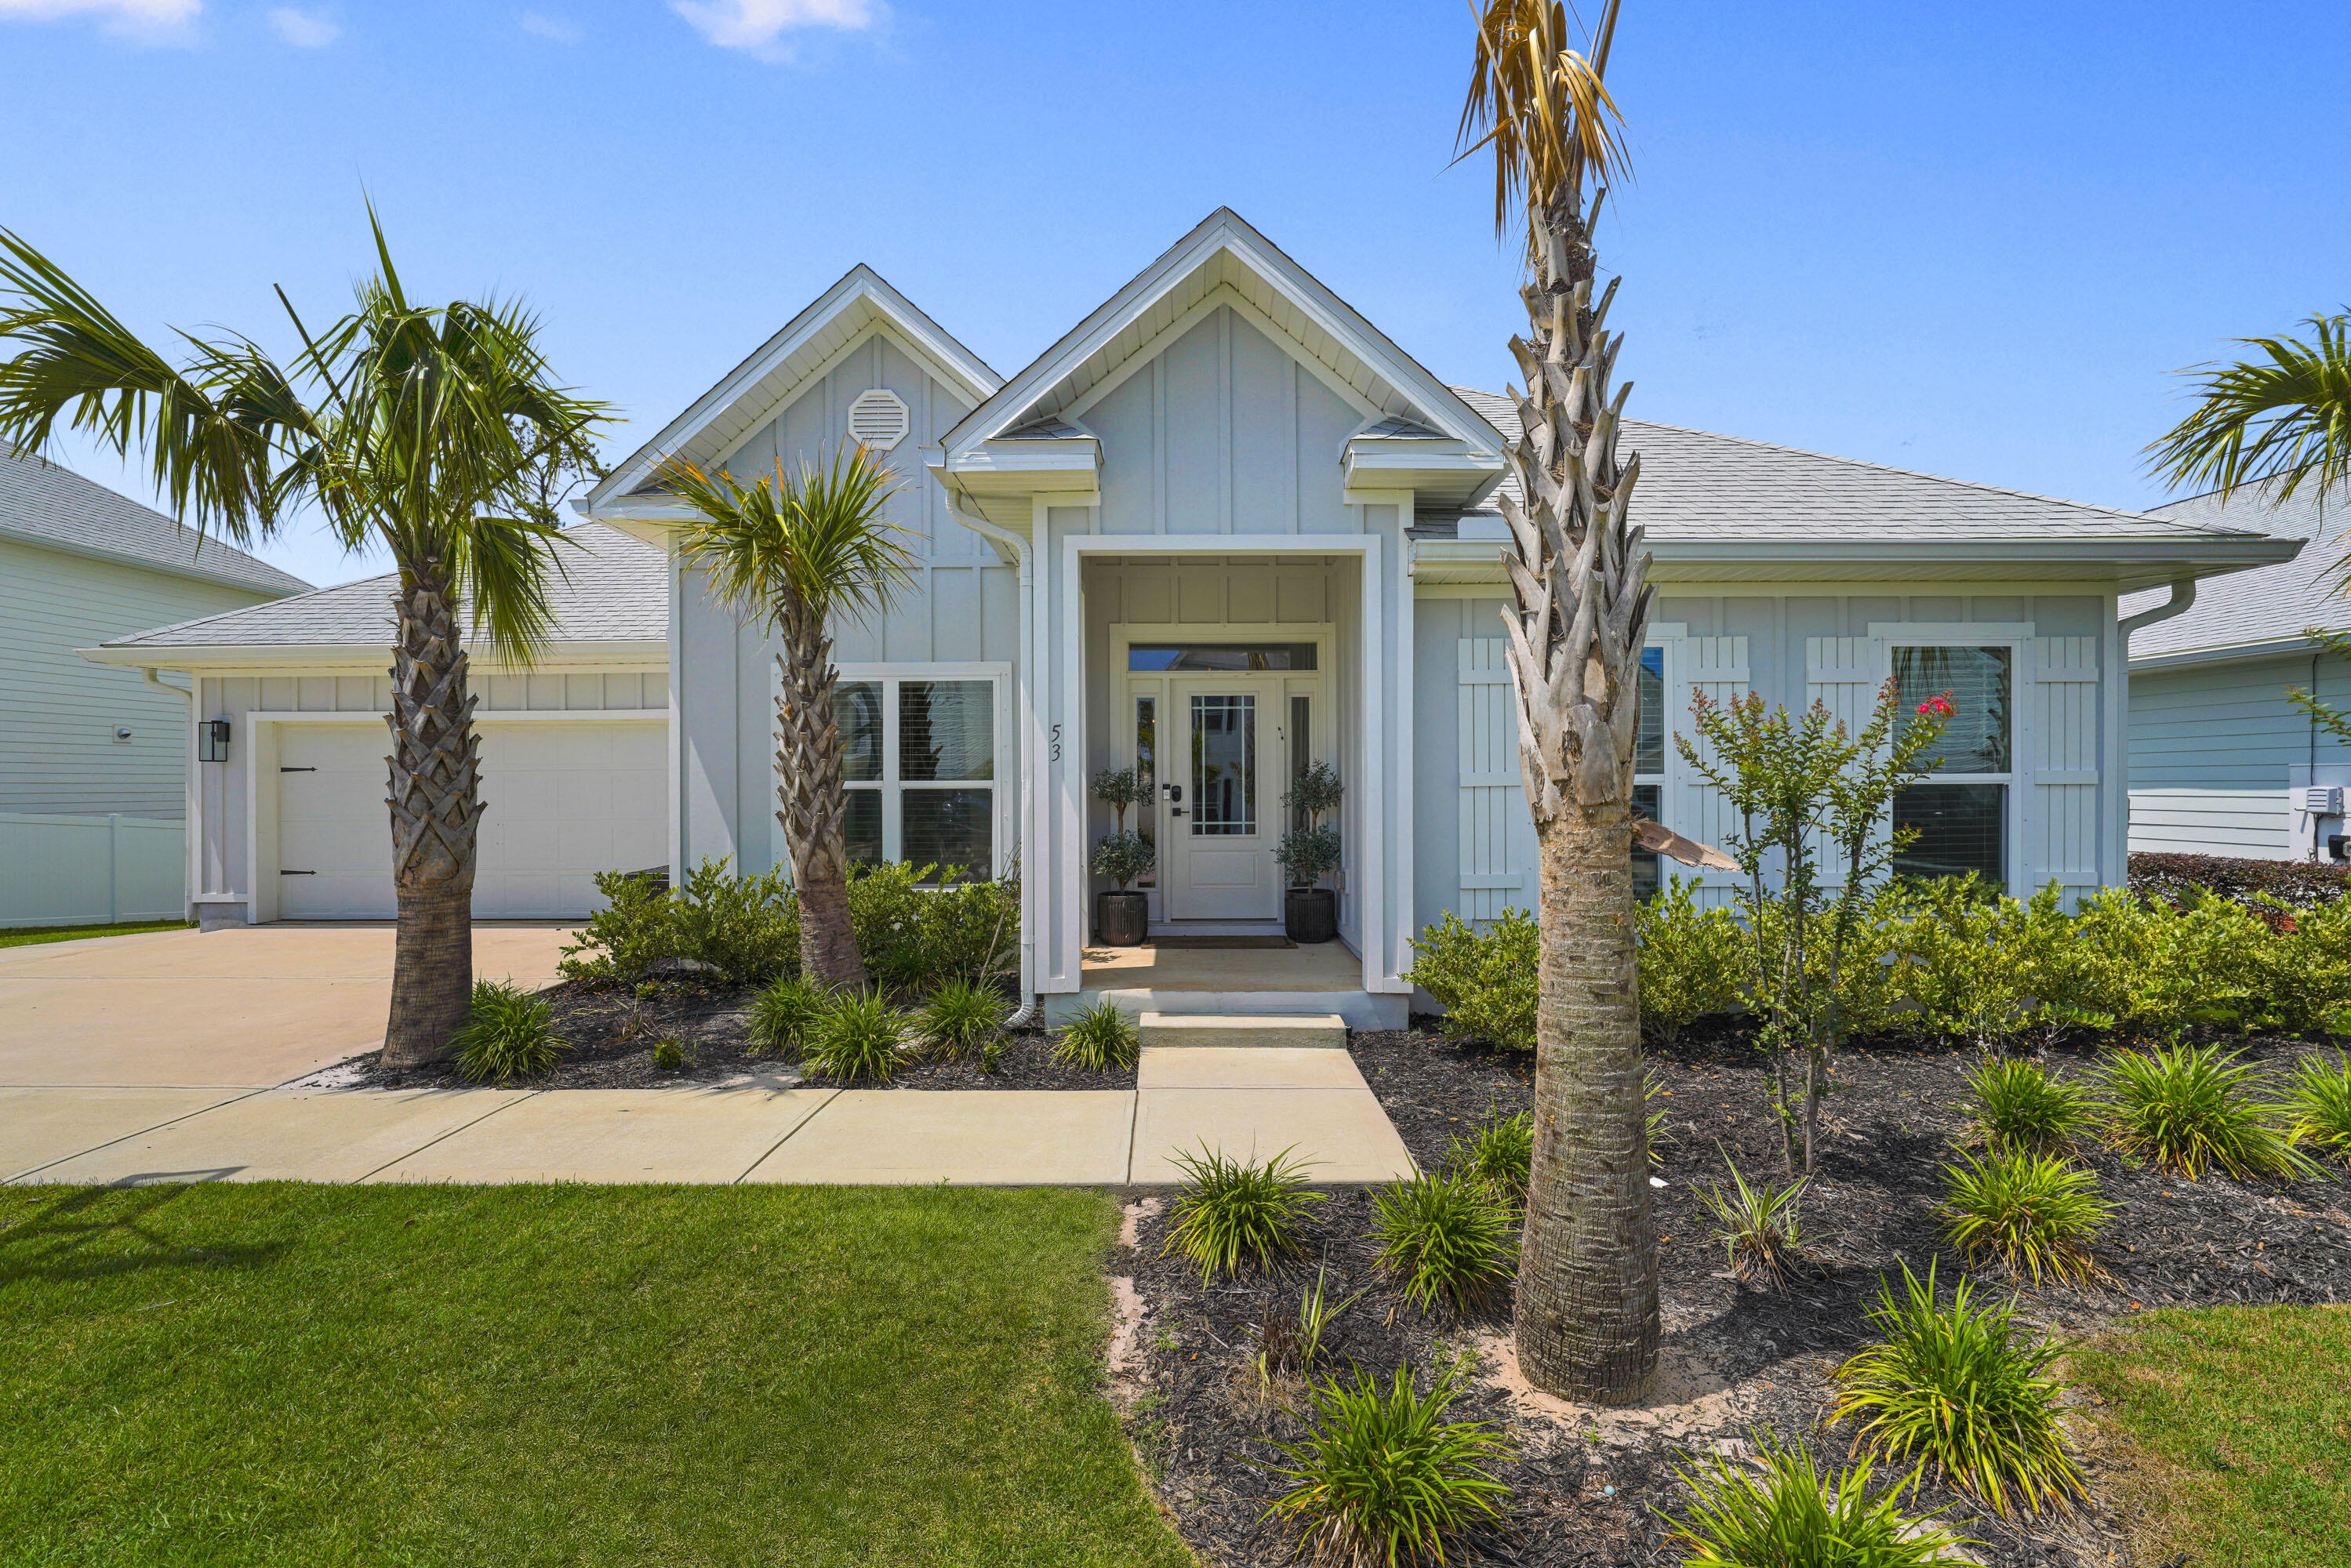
(212, 740)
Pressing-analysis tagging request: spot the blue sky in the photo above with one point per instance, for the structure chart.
(1973, 240)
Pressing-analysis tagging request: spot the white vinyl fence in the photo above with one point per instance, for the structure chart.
(84, 871)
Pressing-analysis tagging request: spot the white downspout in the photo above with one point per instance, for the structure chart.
(2182, 600)
(1024, 559)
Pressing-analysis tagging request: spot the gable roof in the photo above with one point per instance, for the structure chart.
(54, 507)
(1707, 498)
(749, 395)
(610, 597)
(1224, 259)
(2255, 613)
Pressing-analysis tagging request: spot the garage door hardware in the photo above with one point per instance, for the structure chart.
(283, 872)
(297, 770)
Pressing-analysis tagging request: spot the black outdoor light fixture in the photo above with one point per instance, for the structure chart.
(212, 740)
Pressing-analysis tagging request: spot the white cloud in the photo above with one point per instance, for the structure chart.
(303, 29)
(540, 25)
(147, 21)
(756, 26)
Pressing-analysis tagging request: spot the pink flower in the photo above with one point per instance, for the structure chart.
(1938, 706)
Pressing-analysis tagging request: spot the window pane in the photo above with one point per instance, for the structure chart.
(1147, 763)
(1221, 656)
(1649, 748)
(1648, 800)
(1961, 829)
(862, 826)
(857, 714)
(1302, 754)
(950, 827)
(1224, 765)
(946, 729)
(1975, 738)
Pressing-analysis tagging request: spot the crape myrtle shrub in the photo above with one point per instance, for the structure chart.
(2300, 883)
(1953, 960)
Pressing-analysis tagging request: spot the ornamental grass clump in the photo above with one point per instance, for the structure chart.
(1499, 1155)
(2320, 1098)
(962, 1020)
(782, 1015)
(859, 1038)
(1446, 1236)
(1098, 1040)
(507, 1034)
(1781, 1513)
(1952, 1389)
(2020, 1106)
(1760, 1226)
(1235, 1210)
(2189, 1108)
(2035, 1213)
(1381, 1477)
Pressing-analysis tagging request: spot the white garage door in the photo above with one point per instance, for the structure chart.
(566, 800)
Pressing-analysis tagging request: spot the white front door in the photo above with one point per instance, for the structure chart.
(1226, 761)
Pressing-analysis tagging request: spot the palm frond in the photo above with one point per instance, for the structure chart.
(2273, 421)
(812, 543)
(1539, 104)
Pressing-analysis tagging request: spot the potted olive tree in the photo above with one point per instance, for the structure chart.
(1122, 919)
(1308, 853)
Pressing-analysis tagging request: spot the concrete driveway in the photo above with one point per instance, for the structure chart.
(246, 1008)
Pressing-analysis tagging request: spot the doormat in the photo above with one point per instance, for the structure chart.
(1224, 943)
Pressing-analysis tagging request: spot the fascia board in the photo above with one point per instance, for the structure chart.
(630, 654)
(147, 563)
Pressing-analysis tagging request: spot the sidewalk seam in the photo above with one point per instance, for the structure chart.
(787, 1138)
(166, 1121)
(450, 1133)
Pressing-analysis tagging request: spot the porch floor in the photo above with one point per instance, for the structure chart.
(1321, 966)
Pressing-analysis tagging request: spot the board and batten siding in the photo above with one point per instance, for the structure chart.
(58, 712)
(2210, 750)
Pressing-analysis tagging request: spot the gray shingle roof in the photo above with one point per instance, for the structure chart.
(612, 590)
(2266, 606)
(1698, 486)
(43, 504)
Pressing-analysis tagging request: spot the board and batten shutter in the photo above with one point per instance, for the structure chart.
(1716, 667)
(1497, 843)
(1845, 674)
(2061, 819)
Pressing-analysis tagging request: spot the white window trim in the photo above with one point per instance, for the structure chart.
(1003, 841)
(2016, 636)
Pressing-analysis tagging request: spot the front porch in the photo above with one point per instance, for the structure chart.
(1321, 978)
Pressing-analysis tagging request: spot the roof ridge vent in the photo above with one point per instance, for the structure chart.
(879, 419)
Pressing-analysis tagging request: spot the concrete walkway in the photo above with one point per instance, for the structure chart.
(177, 1057)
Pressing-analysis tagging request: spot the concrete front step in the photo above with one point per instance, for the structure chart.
(1323, 1030)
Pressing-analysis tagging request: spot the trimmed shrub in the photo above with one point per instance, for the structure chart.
(1448, 1237)
(2035, 1213)
(2020, 1106)
(1693, 962)
(1965, 959)
(779, 1019)
(1098, 1040)
(2299, 885)
(1231, 1210)
(1783, 1514)
(961, 1019)
(507, 1034)
(919, 928)
(856, 1039)
(1485, 980)
(1381, 1477)
(1953, 1390)
(2319, 1096)
(744, 929)
(2191, 1107)
(1760, 1228)
(1499, 1155)
(633, 931)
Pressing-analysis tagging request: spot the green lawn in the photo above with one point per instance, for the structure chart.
(24, 937)
(500, 1375)
(2239, 1419)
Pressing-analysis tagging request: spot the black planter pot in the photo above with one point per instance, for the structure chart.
(1311, 913)
(1122, 919)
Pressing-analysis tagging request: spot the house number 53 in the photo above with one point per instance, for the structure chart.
(1057, 743)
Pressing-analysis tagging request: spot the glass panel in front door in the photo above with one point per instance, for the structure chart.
(1224, 765)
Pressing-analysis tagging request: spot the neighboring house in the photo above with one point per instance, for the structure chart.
(1225, 526)
(2218, 754)
(80, 743)
(574, 752)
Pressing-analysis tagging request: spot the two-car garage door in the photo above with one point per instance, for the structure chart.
(567, 799)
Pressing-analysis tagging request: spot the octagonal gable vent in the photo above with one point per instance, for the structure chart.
(878, 418)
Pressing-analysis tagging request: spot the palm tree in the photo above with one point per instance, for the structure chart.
(435, 431)
(802, 553)
(1586, 1316)
(2273, 423)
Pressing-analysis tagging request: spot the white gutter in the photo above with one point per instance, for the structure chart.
(1031, 887)
(2183, 599)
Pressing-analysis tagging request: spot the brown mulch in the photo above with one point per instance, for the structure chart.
(1735, 1360)
(612, 1031)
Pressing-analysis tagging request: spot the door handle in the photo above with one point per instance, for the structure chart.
(1175, 810)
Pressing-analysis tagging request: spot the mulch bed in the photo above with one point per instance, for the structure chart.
(612, 1033)
(1735, 1360)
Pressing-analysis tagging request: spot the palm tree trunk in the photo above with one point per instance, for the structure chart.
(436, 811)
(811, 803)
(1586, 1318)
